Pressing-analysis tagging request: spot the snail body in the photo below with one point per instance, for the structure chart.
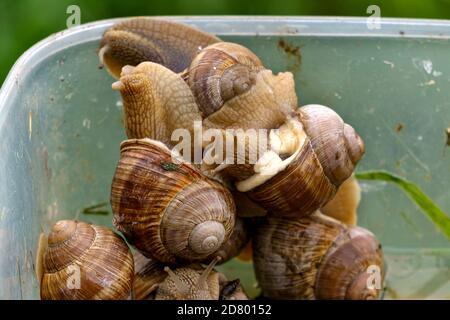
(156, 102)
(311, 155)
(136, 40)
(343, 206)
(246, 254)
(190, 283)
(315, 257)
(84, 261)
(148, 275)
(168, 210)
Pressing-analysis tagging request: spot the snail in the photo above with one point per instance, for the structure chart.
(344, 204)
(239, 238)
(342, 207)
(84, 261)
(154, 109)
(246, 209)
(234, 90)
(136, 40)
(316, 257)
(311, 155)
(190, 283)
(156, 102)
(221, 71)
(148, 275)
(154, 281)
(166, 207)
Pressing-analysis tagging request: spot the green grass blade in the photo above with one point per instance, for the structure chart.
(431, 210)
(96, 209)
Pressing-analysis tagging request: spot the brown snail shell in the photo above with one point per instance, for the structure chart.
(40, 253)
(156, 102)
(148, 275)
(306, 178)
(190, 283)
(104, 262)
(220, 72)
(234, 90)
(136, 40)
(315, 257)
(239, 238)
(168, 210)
(343, 206)
(336, 144)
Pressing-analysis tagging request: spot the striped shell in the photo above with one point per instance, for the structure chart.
(234, 90)
(84, 262)
(326, 156)
(148, 275)
(239, 238)
(136, 40)
(220, 72)
(316, 257)
(166, 207)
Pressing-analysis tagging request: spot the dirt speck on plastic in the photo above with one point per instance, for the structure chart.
(293, 52)
(399, 127)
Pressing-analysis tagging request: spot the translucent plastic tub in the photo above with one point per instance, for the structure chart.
(60, 129)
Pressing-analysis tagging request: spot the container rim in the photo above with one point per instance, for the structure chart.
(319, 26)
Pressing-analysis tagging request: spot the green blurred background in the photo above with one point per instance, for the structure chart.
(24, 22)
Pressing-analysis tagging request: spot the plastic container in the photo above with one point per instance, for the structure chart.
(60, 129)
